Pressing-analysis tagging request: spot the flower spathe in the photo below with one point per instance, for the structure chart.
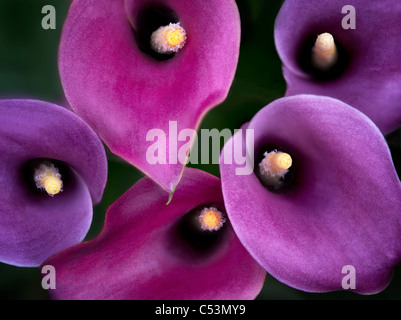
(340, 206)
(367, 74)
(119, 85)
(151, 251)
(46, 147)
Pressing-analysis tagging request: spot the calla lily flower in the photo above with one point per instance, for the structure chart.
(350, 52)
(53, 169)
(128, 67)
(323, 196)
(150, 251)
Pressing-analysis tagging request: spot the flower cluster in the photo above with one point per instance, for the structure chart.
(322, 192)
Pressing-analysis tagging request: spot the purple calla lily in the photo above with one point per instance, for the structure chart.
(366, 72)
(53, 169)
(115, 79)
(337, 205)
(149, 251)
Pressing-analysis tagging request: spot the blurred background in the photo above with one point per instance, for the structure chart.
(28, 69)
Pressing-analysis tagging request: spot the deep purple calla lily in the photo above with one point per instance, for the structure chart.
(33, 224)
(123, 89)
(340, 205)
(151, 251)
(367, 74)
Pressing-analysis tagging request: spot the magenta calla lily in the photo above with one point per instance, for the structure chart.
(34, 224)
(367, 74)
(339, 206)
(123, 89)
(151, 251)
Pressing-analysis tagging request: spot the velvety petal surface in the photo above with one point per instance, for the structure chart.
(371, 80)
(123, 92)
(139, 256)
(342, 209)
(34, 225)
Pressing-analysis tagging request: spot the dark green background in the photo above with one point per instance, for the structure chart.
(28, 69)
